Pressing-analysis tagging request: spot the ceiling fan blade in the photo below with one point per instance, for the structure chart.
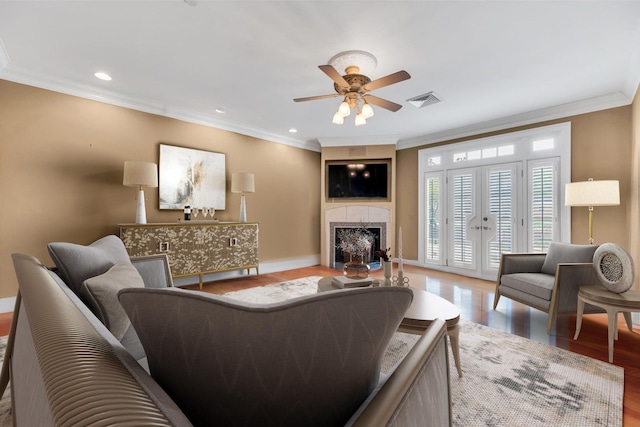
(312, 98)
(388, 80)
(334, 75)
(388, 105)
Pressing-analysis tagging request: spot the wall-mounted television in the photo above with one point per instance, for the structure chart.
(358, 179)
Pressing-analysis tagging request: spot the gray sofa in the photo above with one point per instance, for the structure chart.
(68, 368)
(548, 281)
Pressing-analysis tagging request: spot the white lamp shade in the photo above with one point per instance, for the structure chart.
(367, 111)
(592, 193)
(344, 109)
(140, 174)
(242, 182)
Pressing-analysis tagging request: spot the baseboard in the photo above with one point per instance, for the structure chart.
(264, 267)
(7, 304)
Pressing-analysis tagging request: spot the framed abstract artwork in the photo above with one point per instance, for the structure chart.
(191, 177)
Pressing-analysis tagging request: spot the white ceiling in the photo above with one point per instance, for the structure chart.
(494, 64)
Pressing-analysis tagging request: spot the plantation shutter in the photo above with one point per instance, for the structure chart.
(501, 207)
(463, 207)
(542, 195)
(433, 199)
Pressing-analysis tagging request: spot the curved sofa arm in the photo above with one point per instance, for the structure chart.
(154, 270)
(417, 392)
(569, 278)
(521, 263)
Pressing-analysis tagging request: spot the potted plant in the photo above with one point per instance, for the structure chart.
(356, 244)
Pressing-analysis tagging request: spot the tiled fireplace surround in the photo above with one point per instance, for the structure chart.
(354, 216)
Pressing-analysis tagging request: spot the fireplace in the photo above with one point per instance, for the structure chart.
(377, 229)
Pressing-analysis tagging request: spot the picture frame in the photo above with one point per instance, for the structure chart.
(191, 177)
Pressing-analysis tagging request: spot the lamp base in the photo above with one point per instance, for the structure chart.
(141, 213)
(243, 209)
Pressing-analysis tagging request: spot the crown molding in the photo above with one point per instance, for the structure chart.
(633, 74)
(357, 141)
(584, 106)
(28, 77)
(17, 74)
(4, 57)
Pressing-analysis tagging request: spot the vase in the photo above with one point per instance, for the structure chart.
(356, 268)
(388, 272)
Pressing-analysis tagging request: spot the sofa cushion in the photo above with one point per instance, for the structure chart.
(566, 253)
(537, 284)
(100, 293)
(76, 263)
(306, 361)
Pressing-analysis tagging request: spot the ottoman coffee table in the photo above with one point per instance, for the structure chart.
(425, 308)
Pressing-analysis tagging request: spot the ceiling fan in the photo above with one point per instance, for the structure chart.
(354, 87)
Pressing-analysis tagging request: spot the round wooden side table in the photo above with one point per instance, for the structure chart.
(613, 303)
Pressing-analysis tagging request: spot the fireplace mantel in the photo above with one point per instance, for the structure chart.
(355, 215)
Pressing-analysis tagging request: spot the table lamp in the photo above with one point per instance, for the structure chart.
(242, 182)
(592, 193)
(140, 174)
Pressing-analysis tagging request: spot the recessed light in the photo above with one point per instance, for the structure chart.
(102, 76)
(292, 130)
(220, 111)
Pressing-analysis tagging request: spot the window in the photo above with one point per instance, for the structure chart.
(542, 205)
(432, 217)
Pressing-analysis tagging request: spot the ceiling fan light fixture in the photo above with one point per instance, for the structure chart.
(367, 111)
(344, 109)
(338, 119)
(360, 120)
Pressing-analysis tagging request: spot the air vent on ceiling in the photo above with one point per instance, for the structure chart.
(423, 100)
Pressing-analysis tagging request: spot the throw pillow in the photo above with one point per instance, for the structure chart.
(100, 293)
(76, 263)
(308, 361)
(560, 253)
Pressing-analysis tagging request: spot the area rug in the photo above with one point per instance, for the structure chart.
(507, 380)
(5, 402)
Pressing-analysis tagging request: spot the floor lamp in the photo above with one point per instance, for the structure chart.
(140, 174)
(592, 193)
(242, 182)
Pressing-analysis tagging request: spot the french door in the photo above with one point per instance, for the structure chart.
(485, 197)
(482, 212)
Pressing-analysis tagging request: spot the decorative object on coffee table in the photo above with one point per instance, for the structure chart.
(242, 182)
(140, 174)
(387, 265)
(400, 280)
(614, 267)
(356, 268)
(356, 242)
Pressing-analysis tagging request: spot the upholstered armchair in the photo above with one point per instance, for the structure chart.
(548, 282)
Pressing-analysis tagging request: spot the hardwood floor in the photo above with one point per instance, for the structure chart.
(474, 297)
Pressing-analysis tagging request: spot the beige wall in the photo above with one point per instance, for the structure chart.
(601, 148)
(61, 161)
